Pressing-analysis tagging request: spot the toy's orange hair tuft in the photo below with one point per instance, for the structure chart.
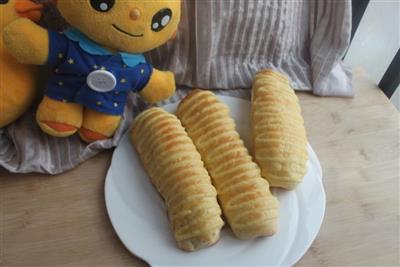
(28, 9)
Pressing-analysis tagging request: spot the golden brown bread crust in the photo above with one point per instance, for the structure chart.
(176, 170)
(248, 205)
(279, 136)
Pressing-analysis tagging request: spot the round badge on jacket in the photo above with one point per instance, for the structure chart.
(101, 81)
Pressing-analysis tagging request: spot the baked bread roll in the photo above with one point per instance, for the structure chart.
(248, 205)
(279, 136)
(177, 171)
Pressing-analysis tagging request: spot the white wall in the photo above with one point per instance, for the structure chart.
(377, 40)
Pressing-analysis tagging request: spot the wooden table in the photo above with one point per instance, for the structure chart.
(62, 220)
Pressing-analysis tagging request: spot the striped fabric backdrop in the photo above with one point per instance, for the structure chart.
(221, 45)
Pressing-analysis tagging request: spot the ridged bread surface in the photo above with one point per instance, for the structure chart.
(279, 135)
(178, 173)
(247, 203)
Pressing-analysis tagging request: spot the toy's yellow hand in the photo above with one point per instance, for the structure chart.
(160, 87)
(27, 42)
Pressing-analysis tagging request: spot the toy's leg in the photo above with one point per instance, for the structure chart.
(98, 126)
(58, 118)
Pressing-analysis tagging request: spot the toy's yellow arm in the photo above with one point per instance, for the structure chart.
(27, 42)
(160, 86)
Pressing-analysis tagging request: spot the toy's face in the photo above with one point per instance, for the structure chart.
(12, 9)
(134, 26)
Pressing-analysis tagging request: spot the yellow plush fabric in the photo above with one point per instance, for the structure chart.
(91, 125)
(32, 50)
(17, 83)
(160, 86)
(98, 26)
(68, 116)
(118, 26)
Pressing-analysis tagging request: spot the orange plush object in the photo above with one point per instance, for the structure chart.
(97, 61)
(17, 85)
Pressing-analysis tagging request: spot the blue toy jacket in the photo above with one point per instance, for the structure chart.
(88, 74)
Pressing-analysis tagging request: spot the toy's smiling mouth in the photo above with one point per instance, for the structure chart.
(125, 32)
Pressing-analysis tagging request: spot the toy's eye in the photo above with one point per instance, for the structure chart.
(3, 2)
(102, 5)
(161, 19)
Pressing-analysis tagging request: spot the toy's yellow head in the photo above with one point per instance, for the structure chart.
(12, 9)
(133, 26)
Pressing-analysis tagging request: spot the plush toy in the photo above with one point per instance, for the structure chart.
(97, 61)
(17, 85)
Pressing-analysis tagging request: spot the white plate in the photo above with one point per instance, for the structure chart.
(138, 215)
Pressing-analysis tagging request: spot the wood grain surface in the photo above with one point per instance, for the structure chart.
(62, 220)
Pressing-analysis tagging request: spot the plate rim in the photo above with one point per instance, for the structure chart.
(304, 250)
